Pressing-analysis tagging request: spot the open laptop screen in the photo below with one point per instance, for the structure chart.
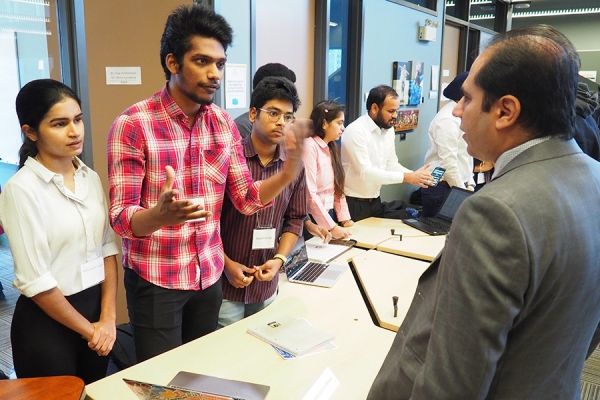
(455, 198)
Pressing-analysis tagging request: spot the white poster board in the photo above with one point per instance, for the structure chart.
(235, 86)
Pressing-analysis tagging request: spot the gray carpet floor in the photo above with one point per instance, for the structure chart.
(590, 380)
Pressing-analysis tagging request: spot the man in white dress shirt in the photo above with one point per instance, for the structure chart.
(447, 149)
(369, 155)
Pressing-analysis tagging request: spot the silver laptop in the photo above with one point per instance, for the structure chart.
(187, 385)
(300, 270)
(440, 224)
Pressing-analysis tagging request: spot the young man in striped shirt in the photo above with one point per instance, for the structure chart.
(256, 246)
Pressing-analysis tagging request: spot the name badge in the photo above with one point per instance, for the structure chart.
(480, 178)
(196, 201)
(92, 272)
(263, 239)
(328, 202)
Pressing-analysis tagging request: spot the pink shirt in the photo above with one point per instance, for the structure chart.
(319, 183)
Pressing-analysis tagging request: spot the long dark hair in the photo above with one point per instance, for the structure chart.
(328, 110)
(33, 102)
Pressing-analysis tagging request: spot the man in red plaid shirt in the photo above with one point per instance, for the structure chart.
(172, 158)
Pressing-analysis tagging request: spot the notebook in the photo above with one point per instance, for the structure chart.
(190, 386)
(440, 224)
(300, 270)
(295, 336)
(325, 252)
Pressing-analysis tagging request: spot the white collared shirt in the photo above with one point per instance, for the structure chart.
(53, 231)
(448, 149)
(369, 158)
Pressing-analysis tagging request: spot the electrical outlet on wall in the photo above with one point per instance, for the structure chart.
(402, 136)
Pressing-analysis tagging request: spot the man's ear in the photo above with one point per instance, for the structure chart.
(172, 64)
(29, 132)
(374, 110)
(506, 110)
(252, 114)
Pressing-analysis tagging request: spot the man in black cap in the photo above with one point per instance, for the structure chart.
(447, 149)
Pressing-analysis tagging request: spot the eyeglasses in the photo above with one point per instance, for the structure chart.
(274, 116)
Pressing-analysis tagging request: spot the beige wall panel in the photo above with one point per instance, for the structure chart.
(121, 34)
(285, 34)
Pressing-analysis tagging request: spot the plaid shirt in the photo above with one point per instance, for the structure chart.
(208, 161)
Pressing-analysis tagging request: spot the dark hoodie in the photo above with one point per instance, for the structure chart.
(586, 134)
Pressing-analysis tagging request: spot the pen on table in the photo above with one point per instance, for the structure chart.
(395, 300)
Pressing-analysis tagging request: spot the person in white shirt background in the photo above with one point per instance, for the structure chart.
(369, 156)
(447, 149)
(55, 216)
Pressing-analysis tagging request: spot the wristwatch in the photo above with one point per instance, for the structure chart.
(281, 257)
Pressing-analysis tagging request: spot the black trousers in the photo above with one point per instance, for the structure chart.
(433, 197)
(163, 319)
(43, 347)
(364, 208)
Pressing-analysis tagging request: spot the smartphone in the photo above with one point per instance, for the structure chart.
(436, 174)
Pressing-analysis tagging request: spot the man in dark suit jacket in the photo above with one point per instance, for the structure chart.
(510, 308)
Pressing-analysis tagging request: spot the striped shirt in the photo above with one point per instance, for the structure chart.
(287, 215)
(208, 161)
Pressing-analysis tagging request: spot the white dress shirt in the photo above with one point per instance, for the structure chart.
(369, 158)
(53, 231)
(448, 149)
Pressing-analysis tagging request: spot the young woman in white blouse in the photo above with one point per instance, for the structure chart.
(324, 173)
(55, 216)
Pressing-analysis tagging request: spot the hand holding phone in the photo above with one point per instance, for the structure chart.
(436, 174)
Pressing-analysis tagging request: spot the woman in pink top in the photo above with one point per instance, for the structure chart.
(324, 173)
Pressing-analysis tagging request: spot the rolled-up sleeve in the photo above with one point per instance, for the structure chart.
(25, 229)
(126, 171)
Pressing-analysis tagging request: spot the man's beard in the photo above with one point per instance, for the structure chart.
(381, 123)
(197, 99)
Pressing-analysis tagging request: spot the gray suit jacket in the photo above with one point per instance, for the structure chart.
(511, 307)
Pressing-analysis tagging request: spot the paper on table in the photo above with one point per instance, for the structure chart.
(324, 387)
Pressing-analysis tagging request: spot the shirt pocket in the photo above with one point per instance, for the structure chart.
(216, 168)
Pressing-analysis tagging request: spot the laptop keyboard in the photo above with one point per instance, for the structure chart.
(436, 223)
(311, 272)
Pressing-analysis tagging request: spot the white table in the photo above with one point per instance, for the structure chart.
(384, 275)
(419, 247)
(369, 232)
(234, 354)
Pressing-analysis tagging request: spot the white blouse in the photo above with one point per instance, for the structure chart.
(53, 231)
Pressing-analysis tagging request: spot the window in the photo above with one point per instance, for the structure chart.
(337, 55)
(30, 48)
(422, 5)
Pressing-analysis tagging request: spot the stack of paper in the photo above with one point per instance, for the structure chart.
(321, 252)
(295, 336)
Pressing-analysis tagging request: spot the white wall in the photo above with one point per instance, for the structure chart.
(285, 34)
(390, 34)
